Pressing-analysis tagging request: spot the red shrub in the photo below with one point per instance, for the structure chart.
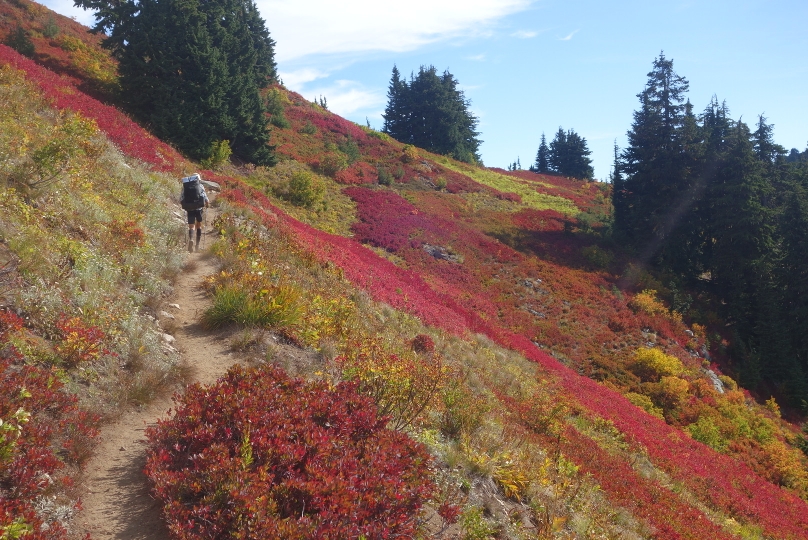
(358, 173)
(423, 344)
(260, 455)
(79, 342)
(40, 422)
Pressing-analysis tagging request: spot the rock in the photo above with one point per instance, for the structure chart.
(178, 215)
(713, 376)
(689, 333)
(704, 352)
(166, 315)
(213, 186)
(168, 338)
(441, 253)
(174, 306)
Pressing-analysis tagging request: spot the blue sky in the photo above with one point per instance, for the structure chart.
(532, 66)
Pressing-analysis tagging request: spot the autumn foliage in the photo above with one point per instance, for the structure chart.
(260, 455)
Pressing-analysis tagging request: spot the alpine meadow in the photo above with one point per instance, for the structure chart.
(401, 341)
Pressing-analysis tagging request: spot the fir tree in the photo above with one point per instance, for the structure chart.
(542, 156)
(430, 112)
(568, 154)
(655, 172)
(193, 70)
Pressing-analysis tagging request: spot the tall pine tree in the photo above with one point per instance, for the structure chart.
(655, 173)
(542, 156)
(432, 113)
(193, 70)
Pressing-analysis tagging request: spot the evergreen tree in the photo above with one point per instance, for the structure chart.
(653, 164)
(430, 112)
(20, 41)
(557, 151)
(576, 160)
(542, 156)
(793, 275)
(568, 154)
(396, 113)
(193, 70)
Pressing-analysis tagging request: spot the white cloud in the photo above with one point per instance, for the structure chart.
(66, 8)
(477, 58)
(346, 97)
(324, 26)
(299, 77)
(525, 34)
(569, 36)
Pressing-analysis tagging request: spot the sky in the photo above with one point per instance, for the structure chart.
(531, 66)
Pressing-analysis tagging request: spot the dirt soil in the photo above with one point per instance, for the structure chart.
(115, 494)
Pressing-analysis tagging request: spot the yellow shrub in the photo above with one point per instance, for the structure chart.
(409, 154)
(653, 363)
(645, 403)
(672, 392)
(785, 466)
(647, 302)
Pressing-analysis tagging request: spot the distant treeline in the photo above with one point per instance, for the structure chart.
(721, 207)
(567, 154)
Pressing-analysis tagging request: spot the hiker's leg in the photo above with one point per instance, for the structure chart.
(191, 221)
(198, 233)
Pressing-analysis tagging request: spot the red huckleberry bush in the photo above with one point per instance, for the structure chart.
(41, 428)
(261, 455)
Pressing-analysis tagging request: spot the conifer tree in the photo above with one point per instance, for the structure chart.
(542, 156)
(568, 154)
(396, 113)
(432, 113)
(193, 70)
(655, 172)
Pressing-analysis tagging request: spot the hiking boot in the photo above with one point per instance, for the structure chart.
(190, 246)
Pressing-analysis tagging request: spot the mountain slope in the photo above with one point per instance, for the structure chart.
(518, 258)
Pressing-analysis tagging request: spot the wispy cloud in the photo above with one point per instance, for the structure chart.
(525, 34)
(347, 97)
(299, 77)
(569, 36)
(66, 7)
(477, 58)
(350, 26)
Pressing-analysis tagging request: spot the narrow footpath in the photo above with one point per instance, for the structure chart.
(115, 493)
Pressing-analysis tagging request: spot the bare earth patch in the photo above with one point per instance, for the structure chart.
(115, 493)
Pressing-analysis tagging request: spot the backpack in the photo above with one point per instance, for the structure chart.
(192, 198)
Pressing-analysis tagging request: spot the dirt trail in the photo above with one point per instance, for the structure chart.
(115, 499)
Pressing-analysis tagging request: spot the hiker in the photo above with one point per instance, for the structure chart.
(193, 200)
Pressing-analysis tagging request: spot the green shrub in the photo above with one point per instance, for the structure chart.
(50, 30)
(308, 128)
(332, 163)
(275, 107)
(303, 190)
(597, 257)
(20, 41)
(385, 178)
(463, 412)
(267, 309)
(705, 431)
(218, 155)
(350, 149)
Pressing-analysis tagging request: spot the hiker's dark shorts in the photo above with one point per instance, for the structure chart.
(194, 216)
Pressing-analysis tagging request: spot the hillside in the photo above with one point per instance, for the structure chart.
(557, 388)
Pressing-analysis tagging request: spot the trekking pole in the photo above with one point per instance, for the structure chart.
(205, 230)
